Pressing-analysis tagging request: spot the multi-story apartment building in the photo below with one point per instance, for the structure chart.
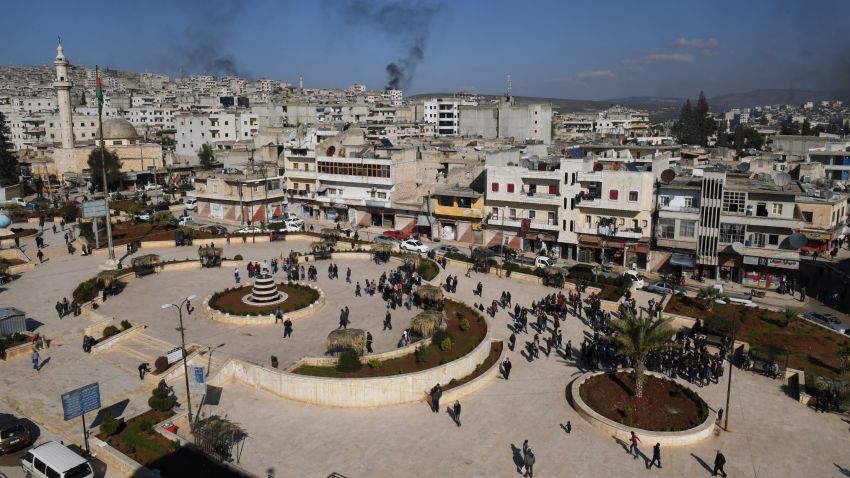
(607, 211)
(251, 198)
(507, 119)
(835, 158)
(457, 212)
(444, 113)
(824, 216)
(729, 226)
(522, 200)
(220, 129)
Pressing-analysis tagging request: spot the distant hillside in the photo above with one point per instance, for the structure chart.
(750, 99)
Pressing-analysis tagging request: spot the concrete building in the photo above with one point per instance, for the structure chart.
(444, 113)
(240, 199)
(835, 158)
(458, 212)
(824, 215)
(531, 122)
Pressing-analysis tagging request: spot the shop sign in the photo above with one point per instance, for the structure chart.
(771, 262)
(818, 236)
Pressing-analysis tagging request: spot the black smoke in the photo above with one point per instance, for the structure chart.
(406, 22)
(201, 47)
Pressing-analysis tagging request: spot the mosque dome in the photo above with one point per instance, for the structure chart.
(117, 128)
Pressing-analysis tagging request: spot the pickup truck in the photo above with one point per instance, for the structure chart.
(539, 261)
(17, 202)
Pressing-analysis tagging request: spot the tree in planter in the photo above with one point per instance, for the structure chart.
(349, 361)
(113, 169)
(639, 337)
(709, 294)
(161, 399)
(789, 315)
(111, 424)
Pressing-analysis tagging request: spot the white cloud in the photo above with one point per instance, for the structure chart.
(696, 42)
(596, 75)
(660, 58)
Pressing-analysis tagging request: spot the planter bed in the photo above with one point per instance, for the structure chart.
(462, 343)
(495, 353)
(810, 348)
(230, 301)
(664, 407)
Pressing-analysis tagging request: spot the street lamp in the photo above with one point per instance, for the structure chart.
(188, 303)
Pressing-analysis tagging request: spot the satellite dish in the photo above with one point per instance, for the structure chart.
(597, 167)
(797, 240)
(738, 248)
(744, 167)
(667, 176)
(782, 179)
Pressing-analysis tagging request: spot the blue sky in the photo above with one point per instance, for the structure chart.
(590, 50)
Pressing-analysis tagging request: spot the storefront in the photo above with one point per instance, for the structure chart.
(768, 272)
(619, 252)
(817, 241)
(539, 242)
(730, 267)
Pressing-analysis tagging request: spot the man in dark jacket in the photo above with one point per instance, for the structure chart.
(719, 463)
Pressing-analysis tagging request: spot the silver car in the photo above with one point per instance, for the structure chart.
(662, 288)
(385, 239)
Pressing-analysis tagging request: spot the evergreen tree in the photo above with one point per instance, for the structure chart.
(683, 129)
(807, 128)
(113, 169)
(206, 157)
(8, 160)
(705, 126)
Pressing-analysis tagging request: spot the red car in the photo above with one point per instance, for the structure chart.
(400, 235)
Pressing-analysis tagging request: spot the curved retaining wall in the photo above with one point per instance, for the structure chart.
(623, 432)
(220, 316)
(352, 392)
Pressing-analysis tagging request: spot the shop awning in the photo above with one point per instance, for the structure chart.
(682, 260)
(495, 240)
(641, 248)
(586, 240)
(534, 236)
(259, 214)
(772, 253)
(424, 221)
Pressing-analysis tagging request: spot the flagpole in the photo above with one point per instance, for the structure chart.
(111, 261)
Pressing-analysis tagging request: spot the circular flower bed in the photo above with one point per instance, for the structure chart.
(230, 300)
(665, 405)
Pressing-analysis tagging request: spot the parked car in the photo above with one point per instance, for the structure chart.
(447, 249)
(638, 280)
(827, 320)
(55, 460)
(396, 234)
(13, 434)
(191, 204)
(384, 239)
(152, 186)
(37, 203)
(660, 287)
(539, 261)
(145, 215)
(185, 221)
(503, 251)
(414, 245)
(17, 202)
(214, 229)
(294, 225)
(116, 196)
(250, 230)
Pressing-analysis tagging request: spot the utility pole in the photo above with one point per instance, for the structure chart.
(110, 263)
(187, 302)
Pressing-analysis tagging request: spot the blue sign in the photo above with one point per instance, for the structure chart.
(198, 381)
(80, 401)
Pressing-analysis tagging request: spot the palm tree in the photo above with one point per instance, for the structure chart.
(709, 295)
(641, 336)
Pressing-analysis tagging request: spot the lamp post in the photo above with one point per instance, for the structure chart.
(732, 327)
(188, 303)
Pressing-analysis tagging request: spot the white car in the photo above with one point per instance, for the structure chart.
(414, 245)
(152, 186)
(294, 225)
(250, 230)
(18, 202)
(185, 221)
(191, 204)
(638, 281)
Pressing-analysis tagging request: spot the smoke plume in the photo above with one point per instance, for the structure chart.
(201, 47)
(406, 22)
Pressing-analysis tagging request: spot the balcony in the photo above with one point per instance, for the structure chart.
(609, 232)
(517, 222)
(679, 209)
(300, 173)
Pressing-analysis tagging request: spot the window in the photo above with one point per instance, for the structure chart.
(777, 209)
(512, 214)
(494, 187)
(633, 196)
(689, 202)
(510, 187)
(645, 223)
(664, 200)
(687, 228)
(446, 201)
(666, 228)
(381, 195)
(553, 189)
(807, 216)
(761, 209)
(588, 220)
(757, 239)
(550, 218)
(733, 202)
(532, 214)
(731, 232)
(464, 202)
(613, 194)
(773, 239)
(495, 213)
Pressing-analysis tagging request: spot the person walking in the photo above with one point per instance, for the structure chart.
(287, 328)
(506, 368)
(348, 275)
(512, 341)
(528, 461)
(719, 463)
(40, 256)
(436, 393)
(236, 276)
(369, 342)
(36, 359)
(656, 456)
(633, 448)
(456, 412)
(343, 322)
(388, 321)
(144, 368)
(278, 315)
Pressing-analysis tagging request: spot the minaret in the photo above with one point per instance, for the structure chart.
(62, 85)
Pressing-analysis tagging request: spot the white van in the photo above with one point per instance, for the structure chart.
(54, 460)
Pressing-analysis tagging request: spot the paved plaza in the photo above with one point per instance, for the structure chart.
(771, 434)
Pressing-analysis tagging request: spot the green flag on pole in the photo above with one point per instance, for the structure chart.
(99, 91)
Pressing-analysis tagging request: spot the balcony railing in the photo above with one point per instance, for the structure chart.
(679, 208)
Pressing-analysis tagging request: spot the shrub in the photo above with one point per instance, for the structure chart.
(428, 269)
(628, 412)
(110, 425)
(125, 324)
(110, 331)
(146, 426)
(374, 363)
(162, 218)
(87, 290)
(349, 361)
(464, 325)
(160, 364)
(458, 257)
(161, 399)
(446, 344)
(237, 257)
(419, 354)
(440, 335)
